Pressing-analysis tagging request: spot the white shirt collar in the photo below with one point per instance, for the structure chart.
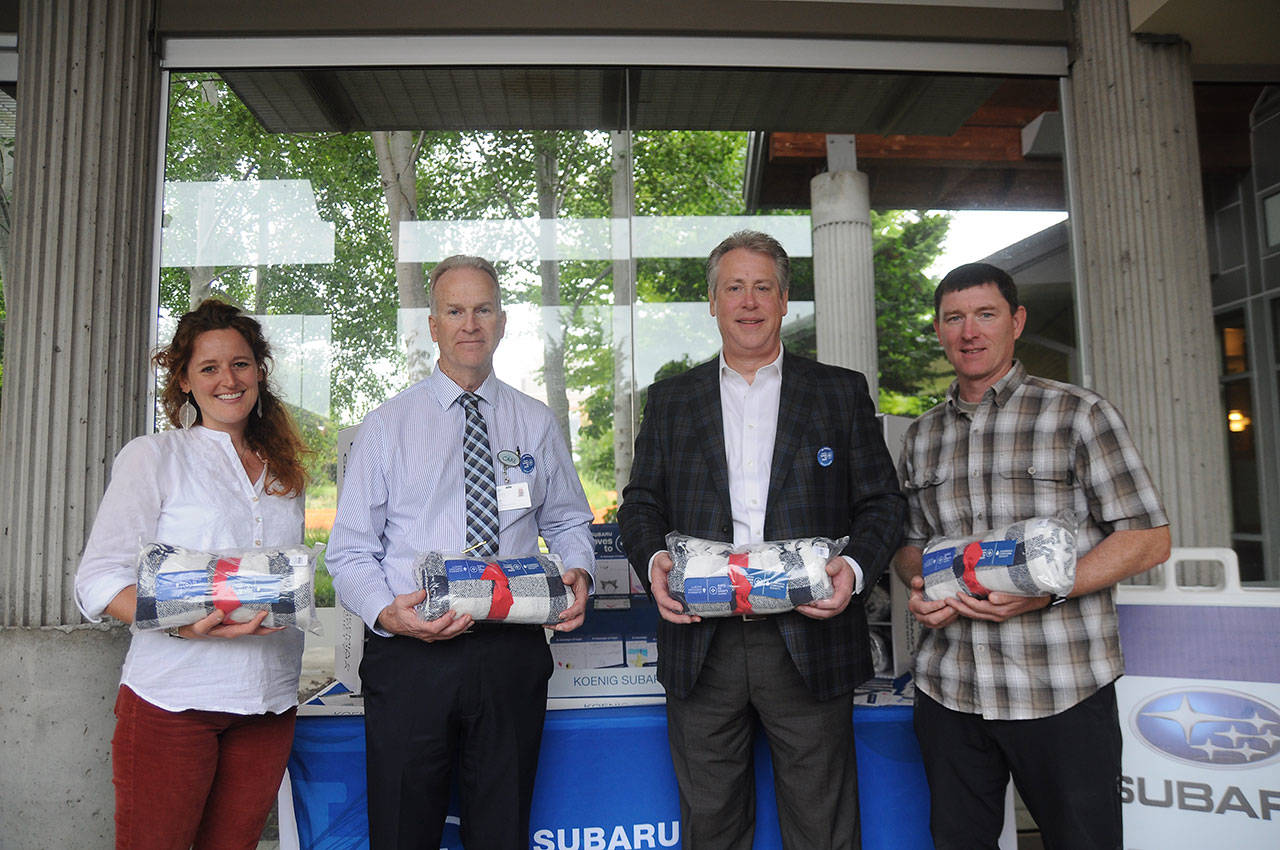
(776, 365)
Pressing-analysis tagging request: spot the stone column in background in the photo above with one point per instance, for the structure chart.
(1147, 316)
(844, 292)
(75, 390)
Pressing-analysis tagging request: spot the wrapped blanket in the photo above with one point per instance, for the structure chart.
(515, 590)
(881, 654)
(1034, 557)
(719, 579)
(178, 586)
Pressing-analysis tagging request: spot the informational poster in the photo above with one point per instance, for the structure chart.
(612, 658)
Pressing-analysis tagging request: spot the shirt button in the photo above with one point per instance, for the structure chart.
(973, 474)
(751, 464)
(1031, 470)
(255, 498)
(980, 649)
(257, 543)
(751, 426)
(755, 501)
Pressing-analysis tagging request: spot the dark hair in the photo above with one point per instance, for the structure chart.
(273, 435)
(752, 240)
(976, 274)
(462, 261)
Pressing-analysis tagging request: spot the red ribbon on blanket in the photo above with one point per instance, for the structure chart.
(501, 603)
(224, 598)
(741, 586)
(972, 555)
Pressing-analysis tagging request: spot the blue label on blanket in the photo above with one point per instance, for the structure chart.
(706, 591)
(189, 584)
(256, 588)
(770, 583)
(193, 585)
(467, 569)
(998, 553)
(522, 567)
(938, 560)
(471, 569)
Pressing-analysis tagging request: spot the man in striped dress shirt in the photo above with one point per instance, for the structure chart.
(449, 691)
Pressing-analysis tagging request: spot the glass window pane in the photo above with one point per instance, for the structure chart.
(1232, 345)
(1271, 219)
(600, 238)
(1275, 329)
(1250, 556)
(1238, 402)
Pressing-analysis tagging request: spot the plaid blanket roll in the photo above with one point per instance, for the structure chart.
(714, 579)
(1034, 557)
(178, 586)
(529, 590)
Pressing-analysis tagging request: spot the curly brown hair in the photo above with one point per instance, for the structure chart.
(273, 435)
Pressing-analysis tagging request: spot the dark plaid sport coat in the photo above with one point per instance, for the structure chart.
(680, 482)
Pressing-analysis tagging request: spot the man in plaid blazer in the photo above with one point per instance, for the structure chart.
(761, 444)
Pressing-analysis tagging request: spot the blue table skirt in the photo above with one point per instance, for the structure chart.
(605, 782)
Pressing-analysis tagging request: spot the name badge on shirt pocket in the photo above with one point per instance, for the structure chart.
(514, 496)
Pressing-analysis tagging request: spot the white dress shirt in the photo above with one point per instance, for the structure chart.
(402, 492)
(188, 488)
(750, 418)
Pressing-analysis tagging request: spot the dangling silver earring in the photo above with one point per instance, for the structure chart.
(187, 413)
(259, 404)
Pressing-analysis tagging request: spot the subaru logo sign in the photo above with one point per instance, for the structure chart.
(1209, 727)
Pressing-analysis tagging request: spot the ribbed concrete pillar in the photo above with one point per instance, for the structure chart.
(844, 292)
(78, 297)
(75, 381)
(1147, 318)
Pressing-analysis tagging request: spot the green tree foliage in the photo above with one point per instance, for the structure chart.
(525, 177)
(904, 244)
(211, 137)
(519, 178)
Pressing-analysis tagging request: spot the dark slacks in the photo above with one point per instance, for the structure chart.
(1065, 766)
(475, 704)
(749, 678)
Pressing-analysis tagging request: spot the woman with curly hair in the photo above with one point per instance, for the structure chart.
(205, 712)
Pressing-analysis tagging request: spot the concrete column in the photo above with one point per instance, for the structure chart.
(75, 390)
(1146, 313)
(844, 292)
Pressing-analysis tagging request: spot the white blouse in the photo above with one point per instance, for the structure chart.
(188, 488)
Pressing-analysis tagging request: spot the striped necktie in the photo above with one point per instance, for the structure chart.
(478, 484)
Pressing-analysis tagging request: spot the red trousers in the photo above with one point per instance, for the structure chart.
(194, 778)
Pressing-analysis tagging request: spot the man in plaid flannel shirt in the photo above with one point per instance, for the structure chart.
(1012, 685)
